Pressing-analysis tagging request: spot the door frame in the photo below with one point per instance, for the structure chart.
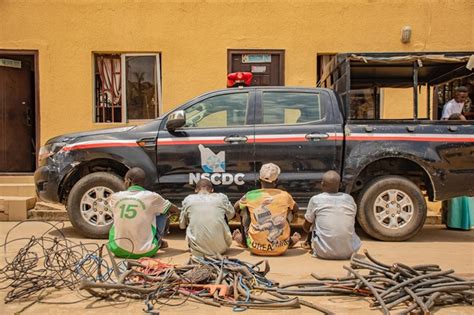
(35, 54)
(280, 52)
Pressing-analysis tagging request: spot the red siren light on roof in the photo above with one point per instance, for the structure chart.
(236, 79)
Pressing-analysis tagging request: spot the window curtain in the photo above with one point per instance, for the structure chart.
(110, 75)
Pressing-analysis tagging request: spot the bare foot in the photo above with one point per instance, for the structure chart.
(294, 239)
(163, 244)
(237, 237)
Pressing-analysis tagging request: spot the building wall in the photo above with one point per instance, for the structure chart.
(398, 103)
(193, 38)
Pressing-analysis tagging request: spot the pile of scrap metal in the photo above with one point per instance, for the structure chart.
(226, 282)
(50, 262)
(407, 288)
(47, 263)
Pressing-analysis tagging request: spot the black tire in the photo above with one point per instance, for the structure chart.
(85, 184)
(366, 213)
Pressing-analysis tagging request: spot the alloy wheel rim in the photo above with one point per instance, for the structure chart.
(95, 206)
(393, 209)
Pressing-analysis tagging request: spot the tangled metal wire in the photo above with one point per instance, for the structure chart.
(419, 287)
(226, 282)
(47, 262)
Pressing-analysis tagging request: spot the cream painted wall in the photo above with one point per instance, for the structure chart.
(193, 38)
(398, 103)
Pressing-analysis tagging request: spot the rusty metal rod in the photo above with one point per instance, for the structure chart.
(316, 307)
(198, 298)
(86, 284)
(293, 303)
(415, 279)
(366, 265)
(431, 300)
(470, 283)
(375, 261)
(445, 289)
(425, 267)
(324, 289)
(317, 277)
(398, 301)
(368, 285)
(431, 282)
(410, 269)
(317, 293)
(313, 283)
(417, 300)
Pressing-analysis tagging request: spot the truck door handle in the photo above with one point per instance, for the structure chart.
(369, 129)
(236, 139)
(316, 136)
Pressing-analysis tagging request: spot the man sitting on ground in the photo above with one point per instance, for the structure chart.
(264, 213)
(139, 218)
(332, 216)
(205, 214)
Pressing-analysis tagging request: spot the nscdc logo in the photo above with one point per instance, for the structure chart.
(213, 166)
(211, 162)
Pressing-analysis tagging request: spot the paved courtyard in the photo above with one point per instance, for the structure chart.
(435, 244)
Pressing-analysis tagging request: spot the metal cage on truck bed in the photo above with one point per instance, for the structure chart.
(348, 72)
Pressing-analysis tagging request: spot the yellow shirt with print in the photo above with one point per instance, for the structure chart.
(269, 230)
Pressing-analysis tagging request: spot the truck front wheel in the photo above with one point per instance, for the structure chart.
(391, 208)
(88, 207)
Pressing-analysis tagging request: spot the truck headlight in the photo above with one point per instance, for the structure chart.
(49, 150)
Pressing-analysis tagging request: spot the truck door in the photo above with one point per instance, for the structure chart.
(216, 143)
(296, 130)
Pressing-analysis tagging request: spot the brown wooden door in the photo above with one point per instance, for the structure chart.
(266, 66)
(17, 119)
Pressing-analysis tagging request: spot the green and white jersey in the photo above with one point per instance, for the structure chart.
(134, 229)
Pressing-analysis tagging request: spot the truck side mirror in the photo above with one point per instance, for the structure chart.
(176, 120)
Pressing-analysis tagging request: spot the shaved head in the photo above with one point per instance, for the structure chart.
(331, 182)
(204, 184)
(135, 176)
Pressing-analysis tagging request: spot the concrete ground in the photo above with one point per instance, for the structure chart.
(435, 244)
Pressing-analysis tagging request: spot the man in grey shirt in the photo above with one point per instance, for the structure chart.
(204, 214)
(332, 217)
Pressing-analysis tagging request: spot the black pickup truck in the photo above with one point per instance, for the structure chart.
(389, 166)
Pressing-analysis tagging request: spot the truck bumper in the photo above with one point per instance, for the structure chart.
(47, 183)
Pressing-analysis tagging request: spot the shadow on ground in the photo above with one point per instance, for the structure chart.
(67, 231)
(431, 233)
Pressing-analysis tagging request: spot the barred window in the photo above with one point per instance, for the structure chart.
(127, 87)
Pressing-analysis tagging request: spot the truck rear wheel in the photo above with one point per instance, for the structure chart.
(391, 208)
(88, 207)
